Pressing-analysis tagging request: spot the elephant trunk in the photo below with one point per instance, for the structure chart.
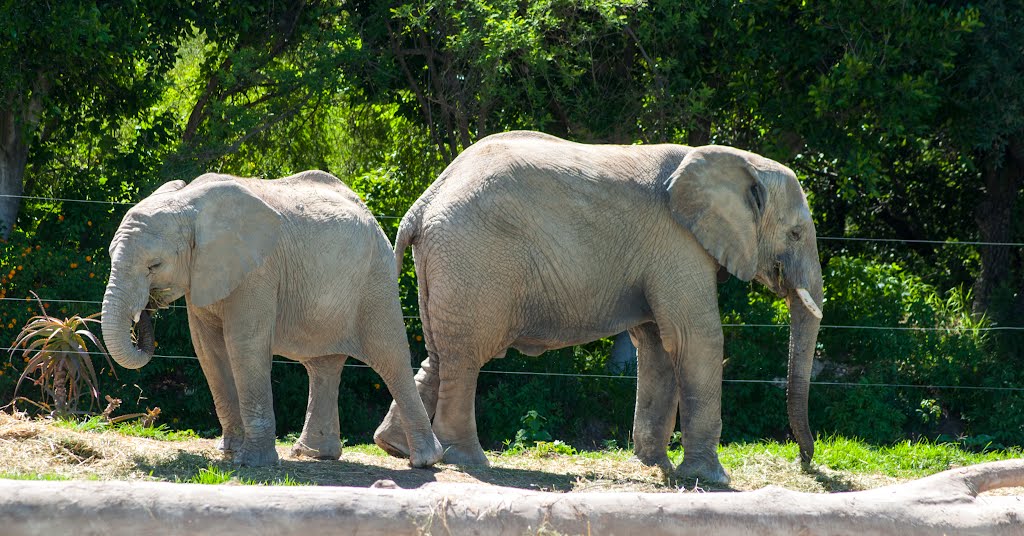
(805, 319)
(117, 316)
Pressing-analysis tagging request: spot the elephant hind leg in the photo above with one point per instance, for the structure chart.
(391, 360)
(657, 398)
(321, 433)
(390, 435)
(455, 418)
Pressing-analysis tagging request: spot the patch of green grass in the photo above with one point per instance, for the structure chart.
(540, 449)
(368, 449)
(161, 432)
(905, 459)
(97, 423)
(213, 475)
(33, 476)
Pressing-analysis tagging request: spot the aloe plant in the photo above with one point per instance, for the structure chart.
(58, 360)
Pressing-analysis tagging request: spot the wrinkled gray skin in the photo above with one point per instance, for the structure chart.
(533, 242)
(296, 267)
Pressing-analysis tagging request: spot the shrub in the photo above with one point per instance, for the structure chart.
(56, 352)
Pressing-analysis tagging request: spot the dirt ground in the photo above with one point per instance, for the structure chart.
(30, 447)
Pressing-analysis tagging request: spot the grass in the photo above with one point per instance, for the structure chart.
(69, 450)
(34, 476)
(906, 459)
(126, 428)
(212, 474)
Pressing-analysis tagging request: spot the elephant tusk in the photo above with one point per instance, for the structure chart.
(808, 302)
(138, 315)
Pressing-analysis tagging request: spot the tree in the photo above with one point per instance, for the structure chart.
(66, 59)
(985, 120)
(258, 69)
(481, 67)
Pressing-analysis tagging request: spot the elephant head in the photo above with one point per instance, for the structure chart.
(198, 240)
(751, 215)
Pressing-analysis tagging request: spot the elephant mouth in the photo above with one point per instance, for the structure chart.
(143, 332)
(160, 298)
(776, 282)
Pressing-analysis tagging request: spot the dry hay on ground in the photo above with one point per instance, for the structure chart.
(29, 446)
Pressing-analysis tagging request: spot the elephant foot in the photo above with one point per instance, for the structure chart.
(392, 439)
(660, 461)
(427, 451)
(321, 448)
(465, 455)
(707, 471)
(229, 444)
(251, 456)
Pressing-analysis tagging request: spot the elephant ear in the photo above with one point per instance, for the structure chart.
(717, 194)
(235, 231)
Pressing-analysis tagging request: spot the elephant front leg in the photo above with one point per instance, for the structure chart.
(390, 435)
(657, 398)
(699, 376)
(208, 340)
(248, 348)
(321, 433)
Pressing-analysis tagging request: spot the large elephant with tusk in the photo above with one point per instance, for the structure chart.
(532, 242)
(296, 267)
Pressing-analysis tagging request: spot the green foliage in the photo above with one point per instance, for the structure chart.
(534, 438)
(580, 400)
(904, 380)
(531, 432)
(939, 343)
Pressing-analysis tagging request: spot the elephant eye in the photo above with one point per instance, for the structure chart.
(794, 235)
(155, 265)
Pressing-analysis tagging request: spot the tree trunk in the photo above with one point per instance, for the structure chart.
(1003, 176)
(623, 355)
(19, 117)
(13, 157)
(946, 503)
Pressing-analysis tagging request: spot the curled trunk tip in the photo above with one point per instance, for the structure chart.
(117, 327)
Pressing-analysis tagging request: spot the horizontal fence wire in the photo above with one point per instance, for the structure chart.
(632, 377)
(725, 325)
(779, 382)
(826, 238)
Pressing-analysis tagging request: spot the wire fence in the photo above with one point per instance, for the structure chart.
(777, 382)
(633, 377)
(948, 329)
(392, 216)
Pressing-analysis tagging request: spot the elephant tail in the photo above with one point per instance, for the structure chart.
(407, 232)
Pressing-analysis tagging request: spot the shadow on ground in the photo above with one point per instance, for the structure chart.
(362, 470)
(189, 467)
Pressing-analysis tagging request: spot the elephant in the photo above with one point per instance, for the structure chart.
(297, 267)
(533, 242)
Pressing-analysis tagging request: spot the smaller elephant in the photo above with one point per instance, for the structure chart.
(296, 267)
